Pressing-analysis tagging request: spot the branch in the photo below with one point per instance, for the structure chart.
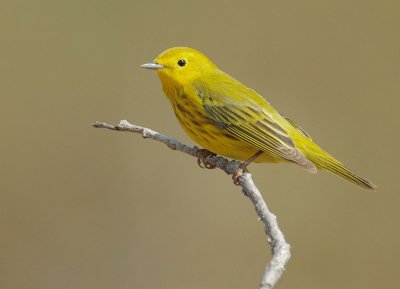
(280, 248)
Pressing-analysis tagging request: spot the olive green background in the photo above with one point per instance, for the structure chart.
(87, 208)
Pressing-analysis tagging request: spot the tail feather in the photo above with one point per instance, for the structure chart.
(323, 160)
(342, 171)
(329, 163)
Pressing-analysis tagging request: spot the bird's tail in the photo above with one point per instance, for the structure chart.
(325, 161)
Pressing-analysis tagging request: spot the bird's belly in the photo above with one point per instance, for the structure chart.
(195, 123)
(220, 142)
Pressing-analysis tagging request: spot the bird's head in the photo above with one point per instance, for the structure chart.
(181, 66)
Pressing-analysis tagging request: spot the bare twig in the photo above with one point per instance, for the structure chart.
(280, 248)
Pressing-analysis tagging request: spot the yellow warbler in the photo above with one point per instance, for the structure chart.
(228, 118)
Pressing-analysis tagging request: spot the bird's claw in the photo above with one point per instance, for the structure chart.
(238, 172)
(235, 176)
(202, 155)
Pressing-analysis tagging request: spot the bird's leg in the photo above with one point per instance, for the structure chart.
(202, 155)
(243, 167)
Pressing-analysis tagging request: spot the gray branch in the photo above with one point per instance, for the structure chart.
(280, 248)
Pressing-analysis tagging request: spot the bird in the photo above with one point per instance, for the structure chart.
(227, 118)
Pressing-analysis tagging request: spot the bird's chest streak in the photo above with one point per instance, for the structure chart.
(191, 116)
(196, 124)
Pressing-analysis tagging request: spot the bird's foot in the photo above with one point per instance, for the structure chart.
(243, 168)
(238, 172)
(202, 155)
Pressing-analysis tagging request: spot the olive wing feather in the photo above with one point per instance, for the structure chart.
(247, 121)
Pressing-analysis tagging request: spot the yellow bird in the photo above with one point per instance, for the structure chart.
(228, 118)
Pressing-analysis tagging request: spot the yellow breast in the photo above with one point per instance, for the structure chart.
(195, 123)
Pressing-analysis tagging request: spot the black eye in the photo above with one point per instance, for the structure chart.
(182, 62)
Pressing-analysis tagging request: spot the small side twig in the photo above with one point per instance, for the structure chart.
(280, 248)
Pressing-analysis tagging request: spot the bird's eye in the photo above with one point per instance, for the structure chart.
(182, 62)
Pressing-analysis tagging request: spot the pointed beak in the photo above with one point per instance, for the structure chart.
(152, 65)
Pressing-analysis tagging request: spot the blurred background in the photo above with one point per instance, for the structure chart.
(87, 208)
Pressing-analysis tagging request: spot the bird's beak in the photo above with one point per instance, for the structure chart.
(152, 65)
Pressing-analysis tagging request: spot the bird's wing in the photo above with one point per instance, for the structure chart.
(299, 128)
(244, 119)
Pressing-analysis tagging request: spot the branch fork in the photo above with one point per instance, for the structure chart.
(280, 248)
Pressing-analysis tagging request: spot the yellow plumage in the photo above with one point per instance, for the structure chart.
(230, 119)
